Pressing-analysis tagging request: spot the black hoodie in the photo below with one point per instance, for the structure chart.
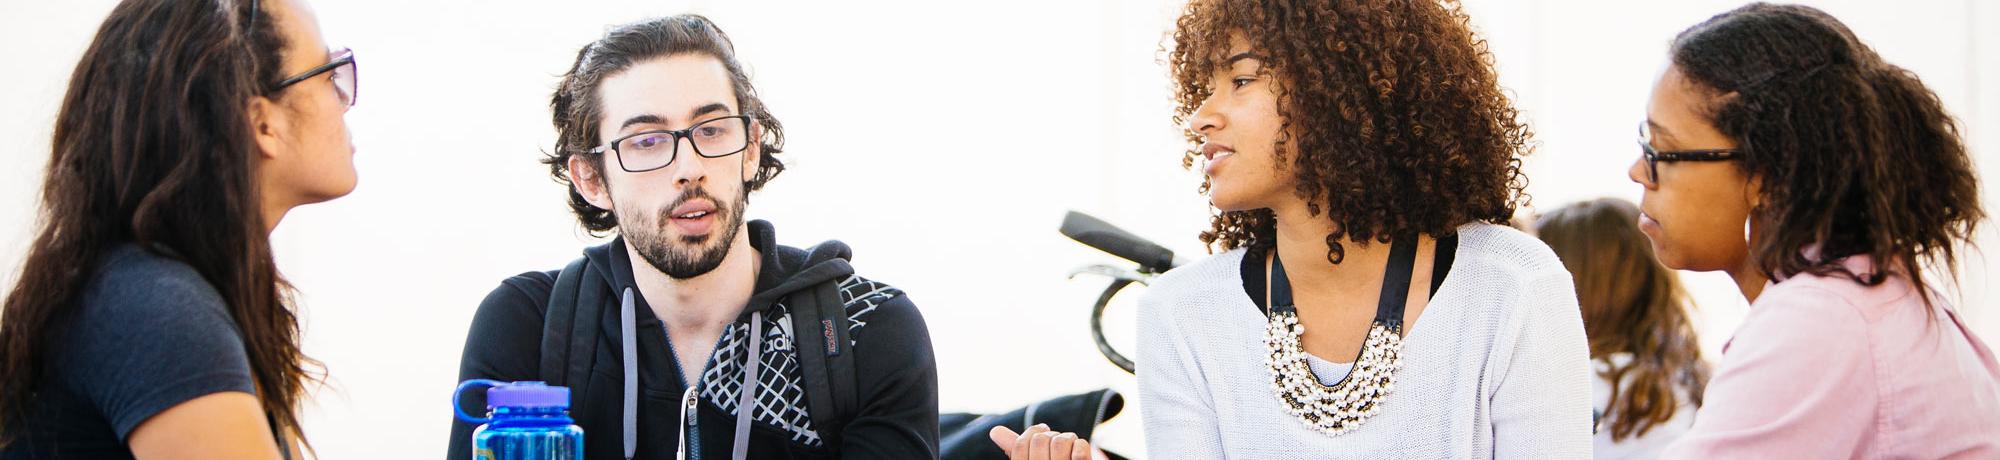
(895, 374)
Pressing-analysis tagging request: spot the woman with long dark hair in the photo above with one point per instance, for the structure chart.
(150, 320)
(1782, 150)
(1642, 342)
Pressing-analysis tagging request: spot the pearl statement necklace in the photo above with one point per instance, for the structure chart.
(1342, 407)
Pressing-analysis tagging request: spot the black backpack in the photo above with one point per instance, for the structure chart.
(572, 329)
(571, 333)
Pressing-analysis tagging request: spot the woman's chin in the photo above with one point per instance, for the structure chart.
(1227, 205)
(1233, 207)
(1670, 261)
(1233, 199)
(1677, 260)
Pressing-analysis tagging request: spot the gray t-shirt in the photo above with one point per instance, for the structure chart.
(147, 333)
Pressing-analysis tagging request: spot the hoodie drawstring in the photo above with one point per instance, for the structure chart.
(631, 355)
(746, 401)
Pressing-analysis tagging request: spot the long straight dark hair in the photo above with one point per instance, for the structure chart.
(154, 145)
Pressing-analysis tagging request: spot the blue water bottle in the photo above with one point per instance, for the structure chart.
(526, 421)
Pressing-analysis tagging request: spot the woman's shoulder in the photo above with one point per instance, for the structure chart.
(1502, 252)
(1201, 276)
(1194, 288)
(131, 279)
(1818, 291)
(1507, 273)
(148, 333)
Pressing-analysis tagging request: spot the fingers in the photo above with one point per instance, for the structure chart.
(1040, 443)
(1038, 449)
(1022, 445)
(1004, 438)
(1061, 445)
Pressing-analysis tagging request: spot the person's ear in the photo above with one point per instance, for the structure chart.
(1753, 196)
(589, 182)
(753, 155)
(268, 126)
(1754, 193)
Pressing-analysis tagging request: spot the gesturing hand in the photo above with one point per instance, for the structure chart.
(1038, 443)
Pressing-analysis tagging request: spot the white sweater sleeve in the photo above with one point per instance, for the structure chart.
(1541, 406)
(1180, 420)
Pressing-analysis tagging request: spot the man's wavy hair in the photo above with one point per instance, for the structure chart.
(1855, 156)
(578, 109)
(1394, 123)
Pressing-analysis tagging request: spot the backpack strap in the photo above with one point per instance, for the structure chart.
(570, 333)
(826, 357)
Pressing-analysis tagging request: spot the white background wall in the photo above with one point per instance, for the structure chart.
(943, 140)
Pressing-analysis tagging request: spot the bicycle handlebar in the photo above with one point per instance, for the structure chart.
(1096, 233)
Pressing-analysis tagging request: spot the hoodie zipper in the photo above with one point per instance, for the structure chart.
(690, 442)
(689, 401)
(689, 416)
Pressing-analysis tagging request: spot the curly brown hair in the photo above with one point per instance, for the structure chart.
(576, 110)
(1392, 115)
(1854, 155)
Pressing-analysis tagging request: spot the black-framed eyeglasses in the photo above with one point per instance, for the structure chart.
(1654, 157)
(345, 82)
(649, 150)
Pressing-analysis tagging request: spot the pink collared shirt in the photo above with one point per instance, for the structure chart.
(1824, 367)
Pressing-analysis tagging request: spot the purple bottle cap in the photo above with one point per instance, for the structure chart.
(527, 394)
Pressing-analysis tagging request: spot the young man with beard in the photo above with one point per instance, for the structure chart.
(668, 332)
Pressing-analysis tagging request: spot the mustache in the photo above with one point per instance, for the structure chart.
(724, 208)
(691, 194)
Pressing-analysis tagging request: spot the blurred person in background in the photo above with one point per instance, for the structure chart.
(1642, 342)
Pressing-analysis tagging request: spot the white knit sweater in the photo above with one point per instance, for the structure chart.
(1495, 367)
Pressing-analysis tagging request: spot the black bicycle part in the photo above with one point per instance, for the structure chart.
(1096, 233)
(1097, 327)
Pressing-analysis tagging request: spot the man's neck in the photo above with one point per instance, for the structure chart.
(1302, 244)
(711, 300)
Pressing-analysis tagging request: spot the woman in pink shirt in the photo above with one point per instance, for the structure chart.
(1782, 150)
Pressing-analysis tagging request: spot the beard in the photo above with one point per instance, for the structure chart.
(691, 255)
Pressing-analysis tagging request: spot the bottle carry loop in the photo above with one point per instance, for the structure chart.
(457, 396)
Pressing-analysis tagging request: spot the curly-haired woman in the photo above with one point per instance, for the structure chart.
(1642, 342)
(1365, 303)
(1852, 181)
